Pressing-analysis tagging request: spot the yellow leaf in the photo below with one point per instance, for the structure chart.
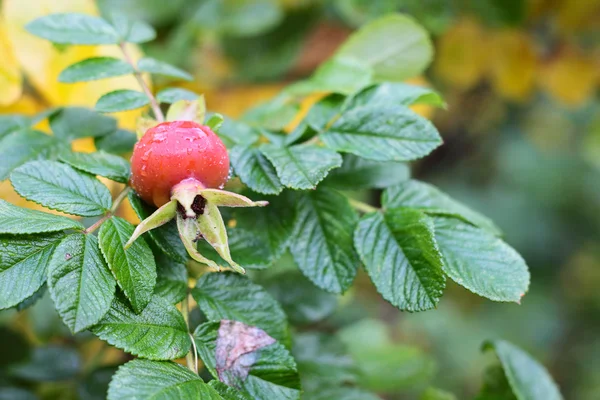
(11, 81)
(571, 77)
(462, 54)
(42, 62)
(578, 15)
(512, 64)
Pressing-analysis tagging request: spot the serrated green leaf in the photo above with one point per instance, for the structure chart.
(359, 173)
(172, 95)
(80, 283)
(33, 299)
(529, 380)
(302, 302)
(48, 364)
(134, 268)
(395, 47)
(255, 170)
(383, 133)
(400, 255)
(76, 122)
(23, 264)
(10, 123)
(235, 297)
(120, 141)
(235, 132)
(21, 146)
(157, 333)
(227, 392)
(165, 237)
(273, 375)
(60, 187)
(121, 100)
(301, 166)
(431, 200)
(495, 385)
(132, 31)
(95, 68)
(154, 66)
(99, 163)
(72, 28)
(261, 235)
(145, 379)
(396, 93)
(322, 242)
(17, 220)
(481, 262)
(171, 280)
(324, 111)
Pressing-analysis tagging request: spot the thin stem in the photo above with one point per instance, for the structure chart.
(190, 358)
(158, 114)
(360, 206)
(116, 203)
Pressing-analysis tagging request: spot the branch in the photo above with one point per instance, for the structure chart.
(158, 114)
(116, 203)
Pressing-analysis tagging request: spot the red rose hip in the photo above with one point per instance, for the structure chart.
(172, 152)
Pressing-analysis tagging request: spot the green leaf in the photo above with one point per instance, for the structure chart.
(121, 100)
(481, 262)
(172, 95)
(338, 75)
(94, 385)
(235, 132)
(16, 393)
(120, 141)
(215, 122)
(301, 166)
(322, 241)
(80, 283)
(495, 385)
(166, 238)
(23, 264)
(60, 187)
(235, 297)
(383, 133)
(134, 268)
(17, 220)
(99, 163)
(132, 31)
(49, 363)
(273, 374)
(401, 94)
(95, 68)
(76, 122)
(227, 392)
(303, 302)
(239, 18)
(171, 280)
(10, 123)
(395, 47)
(72, 28)
(255, 170)
(437, 394)
(274, 114)
(400, 255)
(259, 248)
(324, 111)
(157, 333)
(154, 66)
(359, 173)
(18, 147)
(145, 379)
(431, 200)
(529, 380)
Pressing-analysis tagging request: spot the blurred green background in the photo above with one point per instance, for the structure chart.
(522, 145)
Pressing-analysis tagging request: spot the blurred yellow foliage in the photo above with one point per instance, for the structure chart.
(42, 62)
(513, 64)
(10, 76)
(578, 15)
(571, 77)
(461, 59)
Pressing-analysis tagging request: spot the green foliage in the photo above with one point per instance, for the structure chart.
(80, 283)
(158, 332)
(95, 68)
(258, 335)
(134, 268)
